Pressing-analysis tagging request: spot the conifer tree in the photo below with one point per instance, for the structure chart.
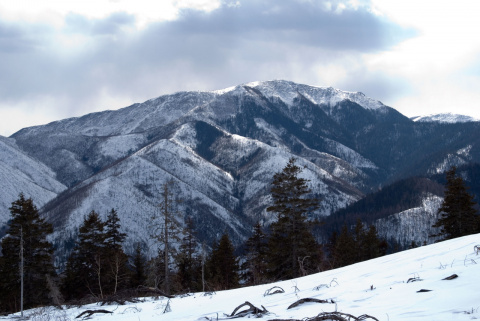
(116, 274)
(373, 246)
(255, 265)
(138, 276)
(188, 263)
(26, 225)
(292, 247)
(222, 265)
(457, 213)
(85, 271)
(344, 251)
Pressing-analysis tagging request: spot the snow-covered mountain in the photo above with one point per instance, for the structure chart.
(444, 118)
(434, 282)
(20, 173)
(222, 149)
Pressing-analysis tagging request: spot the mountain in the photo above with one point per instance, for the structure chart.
(20, 173)
(222, 148)
(434, 282)
(444, 118)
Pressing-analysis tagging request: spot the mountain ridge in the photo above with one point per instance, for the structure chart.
(222, 149)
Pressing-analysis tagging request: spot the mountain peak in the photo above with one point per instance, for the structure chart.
(287, 91)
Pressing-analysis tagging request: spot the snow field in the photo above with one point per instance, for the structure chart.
(379, 288)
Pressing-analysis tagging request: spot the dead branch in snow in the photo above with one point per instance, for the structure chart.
(274, 290)
(89, 313)
(333, 316)
(251, 310)
(305, 300)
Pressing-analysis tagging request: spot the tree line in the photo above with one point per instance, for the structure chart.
(99, 269)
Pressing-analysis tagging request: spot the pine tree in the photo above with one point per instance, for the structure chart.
(292, 247)
(222, 265)
(26, 225)
(255, 265)
(85, 271)
(457, 213)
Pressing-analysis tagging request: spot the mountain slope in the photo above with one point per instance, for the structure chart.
(223, 147)
(19, 173)
(444, 118)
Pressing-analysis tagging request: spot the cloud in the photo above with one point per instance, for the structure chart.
(91, 64)
(111, 25)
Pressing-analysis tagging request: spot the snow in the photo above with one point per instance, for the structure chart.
(287, 91)
(414, 224)
(379, 288)
(20, 173)
(445, 118)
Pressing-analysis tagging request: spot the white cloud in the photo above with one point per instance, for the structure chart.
(91, 55)
(434, 62)
(54, 11)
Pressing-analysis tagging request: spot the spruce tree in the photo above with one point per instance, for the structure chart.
(116, 274)
(85, 272)
(292, 247)
(344, 251)
(138, 268)
(458, 216)
(26, 225)
(223, 266)
(188, 263)
(255, 265)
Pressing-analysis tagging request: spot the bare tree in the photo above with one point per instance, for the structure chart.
(165, 227)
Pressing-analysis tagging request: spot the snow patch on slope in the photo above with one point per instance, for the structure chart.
(444, 118)
(414, 224)
(287, 91)
(461, 157)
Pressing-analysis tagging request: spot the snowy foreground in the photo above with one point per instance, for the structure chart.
(385, 288)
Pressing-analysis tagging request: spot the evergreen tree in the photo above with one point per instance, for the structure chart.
(255, 265)
(361, 245)
(188, 263)
(457, 214)
(116, 274)
(138, 276)
(223, 265)
(292, 247)
(373, 246)
(85, 271)
(26, 225)
(344, 251)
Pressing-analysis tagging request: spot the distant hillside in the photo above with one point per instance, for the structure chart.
(222, 148)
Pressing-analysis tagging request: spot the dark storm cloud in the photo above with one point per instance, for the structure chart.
(306, 23)
(256, 40)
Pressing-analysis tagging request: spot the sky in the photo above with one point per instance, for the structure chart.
(67, 58)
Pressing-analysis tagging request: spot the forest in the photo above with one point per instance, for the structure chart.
(98, 269)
